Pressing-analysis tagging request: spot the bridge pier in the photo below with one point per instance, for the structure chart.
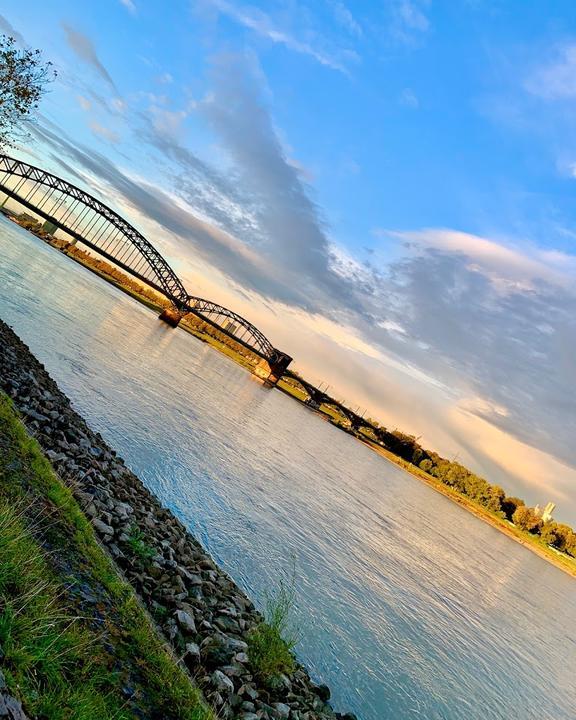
(171, 316)
(272, 370)
(313, 403)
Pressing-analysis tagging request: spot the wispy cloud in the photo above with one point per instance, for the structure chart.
(129, 5)
(409, 99)
(164, 79)
(262, 24)
(84, 48)
(104, 133)
(556, 80)
(345, 18)
(409, 22)
(84, 103)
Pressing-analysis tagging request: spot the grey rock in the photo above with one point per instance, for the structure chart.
(185, 621)
(34, 415)
(282, 710)
(102, 528)
(11, 709)
(193, 652)
(220, 649)
(222, 682)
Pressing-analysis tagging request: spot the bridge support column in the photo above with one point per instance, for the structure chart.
(171, 316)
(312, 402)
(272, 370)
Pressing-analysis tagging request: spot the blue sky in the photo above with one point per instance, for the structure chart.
(385, 188)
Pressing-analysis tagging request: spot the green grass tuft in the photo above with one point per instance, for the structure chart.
(271, 643)
(138, 546)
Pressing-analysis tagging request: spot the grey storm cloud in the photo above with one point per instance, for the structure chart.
(84, 48)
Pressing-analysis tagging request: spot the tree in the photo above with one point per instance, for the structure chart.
(525, 518)
(549, 533)
(23, 80)
(426, 465)
(566, 538)
(510, 505)
(494, 498)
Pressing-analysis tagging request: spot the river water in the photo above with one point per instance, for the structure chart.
(407, 605)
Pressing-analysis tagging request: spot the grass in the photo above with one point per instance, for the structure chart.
(138, 546)
(271, 643)
(62, 663)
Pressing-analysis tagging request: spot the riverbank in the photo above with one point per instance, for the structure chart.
(531, 542)
(205, 617)
(73, 634)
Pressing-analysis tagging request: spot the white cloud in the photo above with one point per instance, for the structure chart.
(168, 122)
(557, 79)
(165, 79)
(409, 20)
(345, 18)
(118, 105)
(510, 268)
(409, 99)
(261, 24)
(104, 132)
(84, 103)
(129, 5)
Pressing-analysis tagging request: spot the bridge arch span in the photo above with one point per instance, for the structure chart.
(91, 222)
(87, 220)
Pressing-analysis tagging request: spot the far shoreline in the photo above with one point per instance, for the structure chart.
(530, 542)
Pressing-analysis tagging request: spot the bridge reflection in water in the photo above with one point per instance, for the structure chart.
(87, 220)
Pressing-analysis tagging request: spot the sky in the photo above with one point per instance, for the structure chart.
(386, 188)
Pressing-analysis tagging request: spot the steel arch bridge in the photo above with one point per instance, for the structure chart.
(89, 221)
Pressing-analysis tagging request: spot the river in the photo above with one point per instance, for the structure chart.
(407, 605)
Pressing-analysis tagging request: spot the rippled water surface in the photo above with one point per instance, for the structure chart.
(409, 607)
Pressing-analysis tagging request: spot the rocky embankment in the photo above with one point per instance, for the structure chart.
(199, 609)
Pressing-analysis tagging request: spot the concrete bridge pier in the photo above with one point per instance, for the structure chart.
(171, 316)
(272, 370)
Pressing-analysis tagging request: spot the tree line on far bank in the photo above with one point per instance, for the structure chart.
(491, 497)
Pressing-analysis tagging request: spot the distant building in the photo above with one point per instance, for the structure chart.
(545, 513)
